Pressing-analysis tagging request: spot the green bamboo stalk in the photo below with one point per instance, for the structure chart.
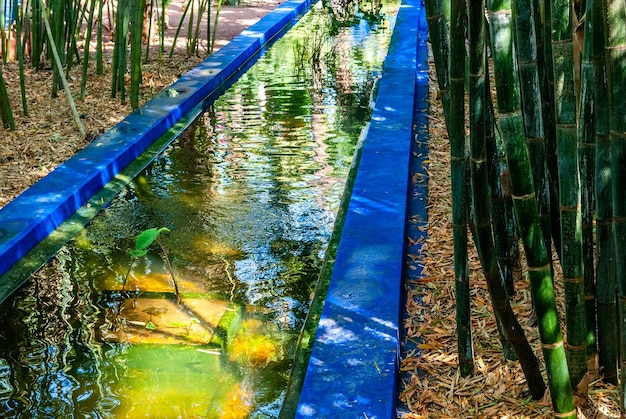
(526, 211)
(151, 6)
(189, 38)
(496, 164)
(178, 29)
(202, 9)
(74, 14)
(569, 182)
(86, 48)
(123, 50)
(115, 61)
(459, 170)
(136, 60)
(66, 87)
(440, 42)
(218, 8)
(526, 49)
(616, 84)
(480, 189)
(37, 40)
(5, 105)
(495, 174)
(542, 12)
(20, 53)
(4, 39)
(162, 30)
(54, 16)
(99, 55)
(120, 50)
(208, 23)
(605, 251)
(586, 150)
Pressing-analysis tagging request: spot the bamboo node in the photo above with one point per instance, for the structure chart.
(524, 197)
(435, 17)
(501, 12)
(552, 345)
(575, 347)
(566, 414)
(573, 280)
(539, 268)
(617, 47)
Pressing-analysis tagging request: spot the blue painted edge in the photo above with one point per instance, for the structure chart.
(417, 213)
(354, 364)
(39, 210)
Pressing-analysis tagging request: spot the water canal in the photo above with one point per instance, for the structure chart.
(249, 193)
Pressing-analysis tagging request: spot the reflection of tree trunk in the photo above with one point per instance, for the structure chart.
(319, 120)
(344, 77)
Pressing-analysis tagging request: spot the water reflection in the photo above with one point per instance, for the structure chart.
(250, 194)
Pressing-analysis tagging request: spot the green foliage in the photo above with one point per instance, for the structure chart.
(145, 239)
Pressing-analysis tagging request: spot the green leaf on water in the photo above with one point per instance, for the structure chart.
(138, 253)
(147, 237)
(150, 326)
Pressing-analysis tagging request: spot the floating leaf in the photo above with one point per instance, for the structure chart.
(150, 326)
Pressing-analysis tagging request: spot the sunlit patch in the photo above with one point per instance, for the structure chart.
(252, 347)
(238, 403)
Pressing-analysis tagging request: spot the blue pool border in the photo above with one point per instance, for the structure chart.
(36, 213)
(353, 370)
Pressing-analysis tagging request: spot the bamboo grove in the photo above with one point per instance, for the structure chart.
(543, 86)
(61, 34)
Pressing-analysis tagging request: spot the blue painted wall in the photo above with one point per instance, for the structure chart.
(353, 368)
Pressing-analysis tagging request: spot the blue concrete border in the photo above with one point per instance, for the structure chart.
(37, 212)
(353, 369)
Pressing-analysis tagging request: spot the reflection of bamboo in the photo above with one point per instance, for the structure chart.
(169, 268)
(229, 276)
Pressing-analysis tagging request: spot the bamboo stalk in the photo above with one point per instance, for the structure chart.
(218, 8)
(20, 54)
(178, 29)
(569, 191)
(86, 48)
(586, 150)
(440, 45)
(5, 105)
(526, 49)
(54, 16)
(59, 67)
(38, 39)
(99, 59)
(542, 11)
(459, 169)
(616, 78)
(136, 59)
(605, 250)
(526, 211)
(480, 189)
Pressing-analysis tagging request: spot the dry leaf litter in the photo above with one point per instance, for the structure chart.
(432, 386)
